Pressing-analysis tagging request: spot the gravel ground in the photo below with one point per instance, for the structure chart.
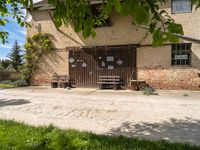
(170, 115)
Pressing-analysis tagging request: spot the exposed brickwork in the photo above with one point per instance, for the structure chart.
(154, 66)
(185, 79)
(53, 63)
(41, 79)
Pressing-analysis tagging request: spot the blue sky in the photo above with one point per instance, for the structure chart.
(15, 33)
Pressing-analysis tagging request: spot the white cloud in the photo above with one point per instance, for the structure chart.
(21, 44)
(3, 58)
(15, 35)
(8, 46)
(23, 32)
(35, 1)
(12, 20)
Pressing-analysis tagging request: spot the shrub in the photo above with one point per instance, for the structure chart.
(36, 46)
(6, 82)
(185, 95)
(149, 91)
(20, 83)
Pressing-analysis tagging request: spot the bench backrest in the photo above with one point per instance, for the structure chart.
(109, 79)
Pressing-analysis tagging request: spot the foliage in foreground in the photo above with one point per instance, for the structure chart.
(22, 137)
(15, 11)
(79, 12)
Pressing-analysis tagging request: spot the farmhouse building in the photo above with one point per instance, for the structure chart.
(120, 48)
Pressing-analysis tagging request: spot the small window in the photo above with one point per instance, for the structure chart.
(181, 54)
(181, 6)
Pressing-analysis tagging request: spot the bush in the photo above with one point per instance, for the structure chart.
(185, 95)
(20, 83)
(149, 91)
(6, 82)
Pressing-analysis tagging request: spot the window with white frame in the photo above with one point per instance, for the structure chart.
(181, 6)
(181, 54)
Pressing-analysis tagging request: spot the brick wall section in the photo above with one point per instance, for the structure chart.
(54, 63)
(184, 79)
(154, 66)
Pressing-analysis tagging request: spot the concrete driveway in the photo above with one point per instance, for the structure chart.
(170, 115)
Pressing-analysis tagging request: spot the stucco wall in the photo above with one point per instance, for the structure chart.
(153, 64)
(121, 32)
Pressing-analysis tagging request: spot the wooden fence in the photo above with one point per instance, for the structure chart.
(8, 75)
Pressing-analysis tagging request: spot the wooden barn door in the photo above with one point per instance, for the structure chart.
(85, 65)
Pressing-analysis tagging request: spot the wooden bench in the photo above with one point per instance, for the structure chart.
(62, 81)
(114, 81)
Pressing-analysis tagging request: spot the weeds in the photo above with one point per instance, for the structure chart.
(149, 91)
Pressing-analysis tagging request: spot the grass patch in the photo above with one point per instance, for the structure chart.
(19, 136)
(186, 95)
(149, 91)
(7, 86)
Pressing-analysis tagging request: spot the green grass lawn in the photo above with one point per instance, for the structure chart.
(17, 136)
(7, 86)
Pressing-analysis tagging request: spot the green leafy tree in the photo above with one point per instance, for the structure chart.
(4, 64)
(16, 58)
(143, 12)
(12, 8)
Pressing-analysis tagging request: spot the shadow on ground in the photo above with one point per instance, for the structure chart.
(174, 130)
(11, 102)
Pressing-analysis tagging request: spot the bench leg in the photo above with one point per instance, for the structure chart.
(134, 87)
(100, 86)
(60, 85)
(64, 85)
(54, 85)
(142, 87)
(115, 87)
(68, 86)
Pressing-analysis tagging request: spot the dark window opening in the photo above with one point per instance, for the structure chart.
(181, 54)
(181, 6)
(100, 19)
